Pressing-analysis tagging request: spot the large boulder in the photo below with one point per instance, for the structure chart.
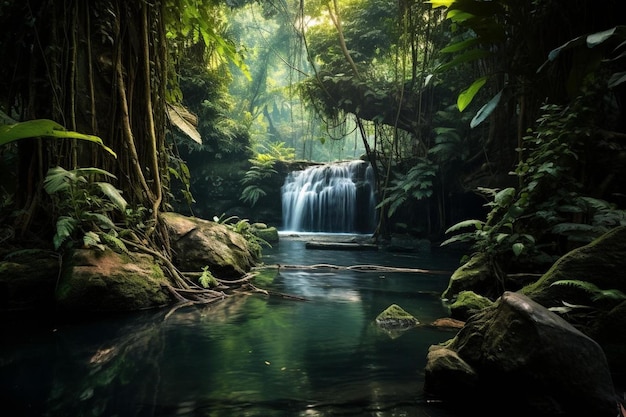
(199, 243)
(518, 358)
(595, 273)
(106, 281)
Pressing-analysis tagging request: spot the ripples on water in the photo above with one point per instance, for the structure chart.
(246, 356)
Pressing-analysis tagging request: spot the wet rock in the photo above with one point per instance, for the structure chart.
(105, 281)
(198, 243)
(395, 317)
(475, 275)
(520, 357)
(265, 233)
(468, 303)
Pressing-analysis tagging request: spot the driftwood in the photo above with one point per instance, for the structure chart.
(358, 268)
(341, 246)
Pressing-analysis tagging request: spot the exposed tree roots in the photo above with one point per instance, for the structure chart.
(192, 294)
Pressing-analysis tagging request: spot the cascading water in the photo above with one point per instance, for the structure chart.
(335, 198)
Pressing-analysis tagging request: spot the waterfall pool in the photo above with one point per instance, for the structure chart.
(249, 355)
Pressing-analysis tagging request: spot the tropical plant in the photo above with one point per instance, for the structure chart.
(207, 280)
(84, 206)
(44, 128)
(243, 227)
(416, 184)
(552, 200)
(262, 168)
(592, 299)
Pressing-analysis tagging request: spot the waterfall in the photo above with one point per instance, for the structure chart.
(335, 198)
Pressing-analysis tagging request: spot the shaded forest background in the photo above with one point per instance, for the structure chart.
(495, 124)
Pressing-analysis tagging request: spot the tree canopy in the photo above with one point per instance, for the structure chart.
(441, 97)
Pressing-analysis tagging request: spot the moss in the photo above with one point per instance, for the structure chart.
(110, 282)
(395, 316)
(474, 275)
(467, 303)
(268, 234)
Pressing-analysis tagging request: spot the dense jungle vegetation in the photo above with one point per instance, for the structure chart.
(114, 111)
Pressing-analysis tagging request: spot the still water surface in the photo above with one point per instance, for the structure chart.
(249, 355)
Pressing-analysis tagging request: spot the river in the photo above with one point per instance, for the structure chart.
(316, 352)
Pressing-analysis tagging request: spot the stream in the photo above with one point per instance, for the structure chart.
(318, 353)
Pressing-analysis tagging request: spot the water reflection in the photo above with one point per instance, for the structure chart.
(250, 355)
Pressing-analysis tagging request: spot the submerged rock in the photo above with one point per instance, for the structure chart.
(396, 318)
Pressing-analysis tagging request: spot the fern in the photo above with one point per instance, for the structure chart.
(596, 293)
(207, 280)
(114, 242)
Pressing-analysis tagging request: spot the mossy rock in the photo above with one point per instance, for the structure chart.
(105, 281)
(395, 317)
(268, 234)
(197, 243)
(601, 263)
(475, 275)
(468, 303)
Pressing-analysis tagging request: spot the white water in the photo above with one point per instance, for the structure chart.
(335, 198)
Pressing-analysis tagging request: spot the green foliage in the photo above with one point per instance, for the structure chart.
(47, 129)
(178, 169)
(500, 235)
(207, 280)
(598, 299)
(201, 22)
(551, 201)
(84, 206)
(261, 169)
(416, 184)
(485, 27)
(611, 42)
(243, 227)
(596, 293)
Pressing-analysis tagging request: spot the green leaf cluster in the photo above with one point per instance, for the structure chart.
(243, 227)
(84, 206)
(416, 184)
(46, 129)
(551, 202)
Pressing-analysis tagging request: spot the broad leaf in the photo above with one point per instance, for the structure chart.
(440, 3)
(518, 248)
(466, 97)
(486, 110)
(65, 228)
(600, 37)
(186, 121)
(455, 47)
(617, 79)
(465, 223)
(114, 195)
(468, 56)
(44, 128)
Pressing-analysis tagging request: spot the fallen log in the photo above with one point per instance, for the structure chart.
(341, 246)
